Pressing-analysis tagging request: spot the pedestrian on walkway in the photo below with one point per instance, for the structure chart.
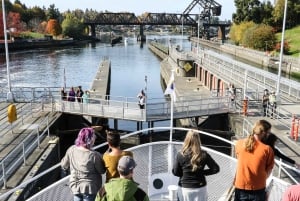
(255, 161)
(86, 166)
(79, 94)
(142, 99)
(232, 94)
(86, 96)
(273, 104)
(265, 101)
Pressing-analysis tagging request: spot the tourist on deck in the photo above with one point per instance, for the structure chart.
(255, 161)
(122, 188)
(192, 164)
(273, 103)
(112, 156)
(265, 101)
(270, 140)
(86, 166)
(142, 99)
(292, 193)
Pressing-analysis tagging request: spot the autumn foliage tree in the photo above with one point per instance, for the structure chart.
(53, 27)
(14, 23)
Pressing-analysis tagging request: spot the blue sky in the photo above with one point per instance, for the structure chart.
(135, 6)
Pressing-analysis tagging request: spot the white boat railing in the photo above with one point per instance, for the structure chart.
(153, 172)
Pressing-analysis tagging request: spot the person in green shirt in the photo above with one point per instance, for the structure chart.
(122, 188)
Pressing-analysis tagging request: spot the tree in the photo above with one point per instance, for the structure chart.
(247, 10)
(260, 37)
(53, 13)
(53, 27)
(278, 12)
(72, 26)
(237, 31)
(14, 23)
(293, 13)
(267, 10)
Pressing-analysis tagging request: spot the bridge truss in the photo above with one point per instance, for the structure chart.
(210, 8)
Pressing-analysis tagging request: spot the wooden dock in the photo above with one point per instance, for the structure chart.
(19, 146)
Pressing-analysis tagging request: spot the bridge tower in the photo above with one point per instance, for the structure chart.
(210, 8)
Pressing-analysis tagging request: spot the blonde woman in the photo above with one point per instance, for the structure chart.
(255, 161)
(192, 164)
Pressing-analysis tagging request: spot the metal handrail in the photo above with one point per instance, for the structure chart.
(184, 107)
(25, 149)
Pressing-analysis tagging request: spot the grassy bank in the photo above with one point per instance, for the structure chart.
(292, 36)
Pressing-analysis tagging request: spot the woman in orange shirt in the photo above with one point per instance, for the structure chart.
(254, 165)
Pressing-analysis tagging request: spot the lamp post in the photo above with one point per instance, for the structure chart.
(9, 97)
(281, 51)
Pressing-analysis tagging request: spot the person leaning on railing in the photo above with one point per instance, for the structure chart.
(270, 140)
(255, 162)
(113, 154)
(86, 166)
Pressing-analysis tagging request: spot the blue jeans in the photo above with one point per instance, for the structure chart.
(248, 195)
(84, 197)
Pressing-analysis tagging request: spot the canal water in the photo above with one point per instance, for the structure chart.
(129, 65)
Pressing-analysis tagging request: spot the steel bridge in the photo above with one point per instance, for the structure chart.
(210, 8)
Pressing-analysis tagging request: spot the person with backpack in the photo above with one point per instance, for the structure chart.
(124, 187)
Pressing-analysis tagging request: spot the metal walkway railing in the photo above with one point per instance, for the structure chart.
(154, 110)
(246, 76)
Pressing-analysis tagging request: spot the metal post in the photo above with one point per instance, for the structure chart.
(245, 83)
(182, 31)
(4, 174)
(198, 33)
(10, 97)
(281, 52)
(48, 127)
(146, 79)
(24, 157)
(38, 138)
